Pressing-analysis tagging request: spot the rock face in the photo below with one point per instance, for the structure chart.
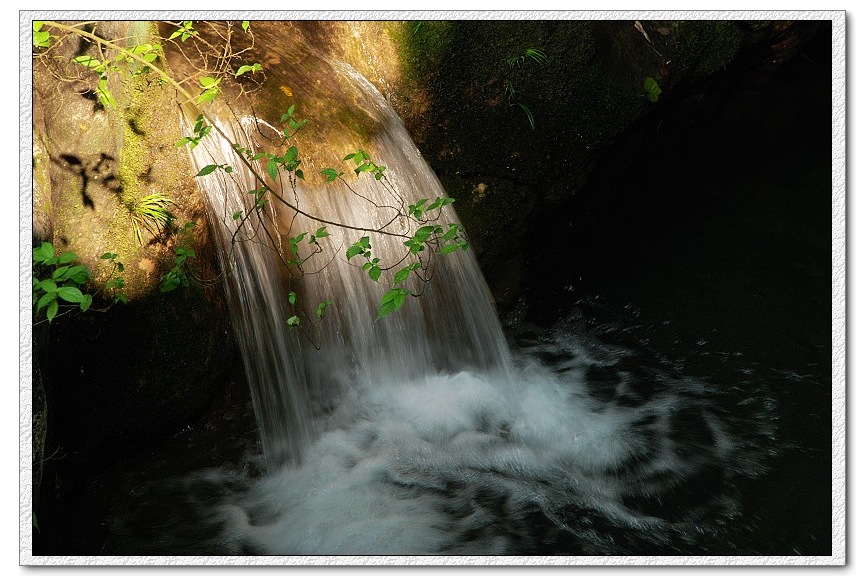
(514, 135)
(113, 378)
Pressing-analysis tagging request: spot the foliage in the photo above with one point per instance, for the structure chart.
(652, 89)
(516, 62)
(392, 301)
(114, 285)
(144, 54)
(178, 275)
(41, 38)
(365, 164)
(199, 132)
(185, 31)
(535, 55)
(209, 89)
(101, 68)
(151, 212)
(275, 175)
(254, 68)
(62, 284)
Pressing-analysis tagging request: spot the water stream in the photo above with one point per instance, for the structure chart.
(430, 431)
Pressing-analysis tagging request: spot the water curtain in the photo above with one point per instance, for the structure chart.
(297, 373)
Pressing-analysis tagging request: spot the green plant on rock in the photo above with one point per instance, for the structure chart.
(57, 281)
(178, 275)
(151, 213)
(41, 38)
(652, 89)
(516, 62)
(115, 284)
(274, 175)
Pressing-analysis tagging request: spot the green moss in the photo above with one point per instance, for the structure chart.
(703, 47)
(423, 45)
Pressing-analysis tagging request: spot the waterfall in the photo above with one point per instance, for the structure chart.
(449, 327)
(422, 432)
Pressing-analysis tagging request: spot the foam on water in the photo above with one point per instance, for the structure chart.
(423, 433)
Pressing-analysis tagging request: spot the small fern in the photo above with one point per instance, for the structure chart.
(152, 214)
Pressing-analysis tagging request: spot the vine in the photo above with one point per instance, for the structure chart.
(284, 169)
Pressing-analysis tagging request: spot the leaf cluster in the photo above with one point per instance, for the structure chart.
(115, 284)
(151, 212)
(178, 275)
(365, 164)
(62, 284)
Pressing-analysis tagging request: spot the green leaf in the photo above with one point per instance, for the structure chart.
(359, 247)
(441, 202)
(537, 55)
(375, 272)
(70, 294)
(292, 297)
(293, 321)
(529, 115)
(450, 248)
(423, 233)
(299, 173)
(59, 272)
(207, 96)
(247, 68)
(45, 300)
(105, 96)
(85, 303)
(652, 89)
(294, 241)
(108, 256)
(319, 311)
(207, 170)
(183, 142)
(364, 167)
(321, 232)
(81, 274)
(48, 286)
(296, 124)
(67, 257)
(272, 169)
(44, 252)
(237, 214)
(245, 25)
(391, 301)
(87, 61)
(41, 38)
(405, 272)
(51, 312)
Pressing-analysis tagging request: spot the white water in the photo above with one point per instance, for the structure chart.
(422, 432)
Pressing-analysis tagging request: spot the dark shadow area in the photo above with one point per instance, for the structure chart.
(705, 233)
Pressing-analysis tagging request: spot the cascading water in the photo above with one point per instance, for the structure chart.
(451, 326)
(423, 432)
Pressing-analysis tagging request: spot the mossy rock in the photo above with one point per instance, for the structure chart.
(479, 102)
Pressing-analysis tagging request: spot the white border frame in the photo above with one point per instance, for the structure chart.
(839, 316)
